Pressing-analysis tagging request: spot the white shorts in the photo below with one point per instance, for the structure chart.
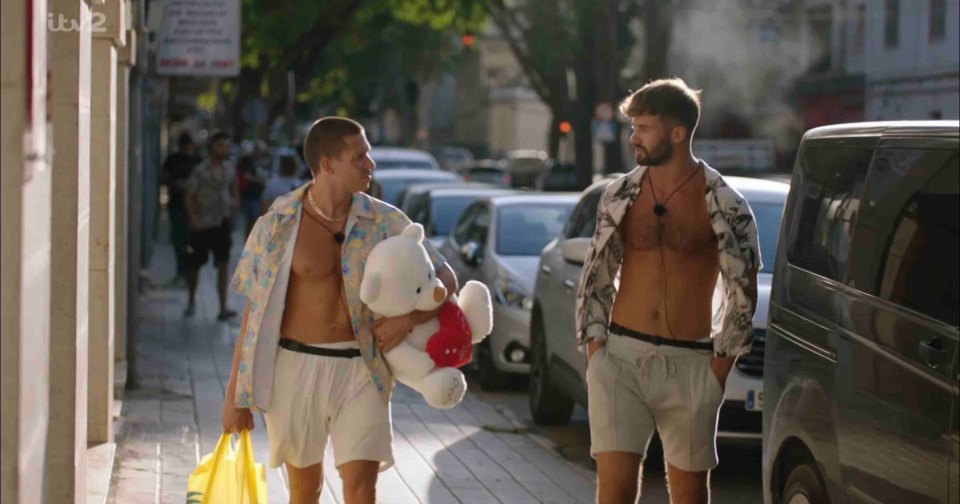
(316, 397)
(634, 388)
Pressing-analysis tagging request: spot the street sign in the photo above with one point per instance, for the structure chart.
(200, 38)
(604, 131)
(603, 111)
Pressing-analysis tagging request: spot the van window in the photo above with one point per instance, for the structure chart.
(829, 191)
(919, 268)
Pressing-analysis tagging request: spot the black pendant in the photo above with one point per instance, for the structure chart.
(659, 210)
(339, 238)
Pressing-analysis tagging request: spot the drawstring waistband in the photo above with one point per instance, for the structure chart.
(670, 367)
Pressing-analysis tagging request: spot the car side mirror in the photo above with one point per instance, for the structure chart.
(575, 249)
(471, 253)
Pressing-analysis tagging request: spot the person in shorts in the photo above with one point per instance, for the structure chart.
(659, 354)
(310, 355)
(211, 198)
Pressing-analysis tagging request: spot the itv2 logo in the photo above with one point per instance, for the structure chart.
(95, 22)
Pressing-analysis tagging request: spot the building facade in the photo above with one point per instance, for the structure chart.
(71, 140)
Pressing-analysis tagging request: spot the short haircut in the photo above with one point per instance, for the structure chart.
(325, 139)
(185, 139)
(288, 166)
(668, 98)
(220, 135)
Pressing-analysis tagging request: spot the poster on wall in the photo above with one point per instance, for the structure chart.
(199, 38)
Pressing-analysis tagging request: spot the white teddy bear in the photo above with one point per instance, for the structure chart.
(398, 279)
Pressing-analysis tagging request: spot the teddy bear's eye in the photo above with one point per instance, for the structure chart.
(418, 290)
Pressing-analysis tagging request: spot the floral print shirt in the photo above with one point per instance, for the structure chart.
(263, 272)
(737, 249)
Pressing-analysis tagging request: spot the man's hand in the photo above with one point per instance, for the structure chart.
(236, 419)
(721, 367)
(592, 347)
(391, 331)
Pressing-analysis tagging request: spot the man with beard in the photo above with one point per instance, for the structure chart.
(658, 353)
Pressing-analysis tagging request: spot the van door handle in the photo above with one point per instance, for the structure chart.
(932, 351)
(568, 284)
(546, 269)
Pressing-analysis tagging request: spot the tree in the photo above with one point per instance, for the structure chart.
(335, 46)
(587, 40)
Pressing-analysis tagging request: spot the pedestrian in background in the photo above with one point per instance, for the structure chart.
(286, 181)
(174, 173)
(211, 197)
(251, 185)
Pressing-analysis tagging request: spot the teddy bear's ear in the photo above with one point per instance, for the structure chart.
(370, 287)
(414, 231)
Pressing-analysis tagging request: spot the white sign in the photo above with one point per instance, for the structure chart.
(200, 38)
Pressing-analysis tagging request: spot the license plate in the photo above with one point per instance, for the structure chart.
(754, 400)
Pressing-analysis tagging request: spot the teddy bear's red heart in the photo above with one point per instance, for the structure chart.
(451, 345)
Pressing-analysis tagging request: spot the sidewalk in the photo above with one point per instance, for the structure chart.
(470, 454)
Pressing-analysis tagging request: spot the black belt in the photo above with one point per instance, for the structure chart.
(659, 340)
(296, 346)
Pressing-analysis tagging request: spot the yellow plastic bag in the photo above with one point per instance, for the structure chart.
(228, 475)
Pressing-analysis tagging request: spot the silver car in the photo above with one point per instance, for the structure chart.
(557, 372)
(395, 182)
(498, 241)
(392, 158)
(439, 208)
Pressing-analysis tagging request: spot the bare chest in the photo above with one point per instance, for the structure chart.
(317, 254)
(684, 228)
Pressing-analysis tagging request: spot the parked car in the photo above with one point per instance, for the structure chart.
(487, 171)
(393, 183)
(391, 158)
(414, 195)
(558, 369)
(454, 158)
(862, 367)
(439, 208)
(497, 241)
(524, 166)
(558, 177)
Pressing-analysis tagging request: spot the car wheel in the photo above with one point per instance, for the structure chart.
(491, 378)
(548, 404)
(804, 487)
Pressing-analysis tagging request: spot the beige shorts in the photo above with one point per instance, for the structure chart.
(634, 387)
(315, 397)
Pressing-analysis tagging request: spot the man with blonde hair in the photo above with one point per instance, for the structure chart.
(658, 354)
(309, 354)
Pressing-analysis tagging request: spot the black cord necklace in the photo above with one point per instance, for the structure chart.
(660, 209)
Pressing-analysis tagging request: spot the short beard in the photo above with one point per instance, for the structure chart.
(657, 157)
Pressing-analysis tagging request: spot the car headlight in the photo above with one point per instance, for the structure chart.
(511, 294)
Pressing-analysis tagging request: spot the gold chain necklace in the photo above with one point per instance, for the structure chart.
(316, 208)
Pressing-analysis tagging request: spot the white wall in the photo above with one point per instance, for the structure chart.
(26, 220)
(518, 120)
(917, 76)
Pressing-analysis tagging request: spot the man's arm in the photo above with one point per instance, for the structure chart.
(236, 419)
(391, 331)
(722, 365)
